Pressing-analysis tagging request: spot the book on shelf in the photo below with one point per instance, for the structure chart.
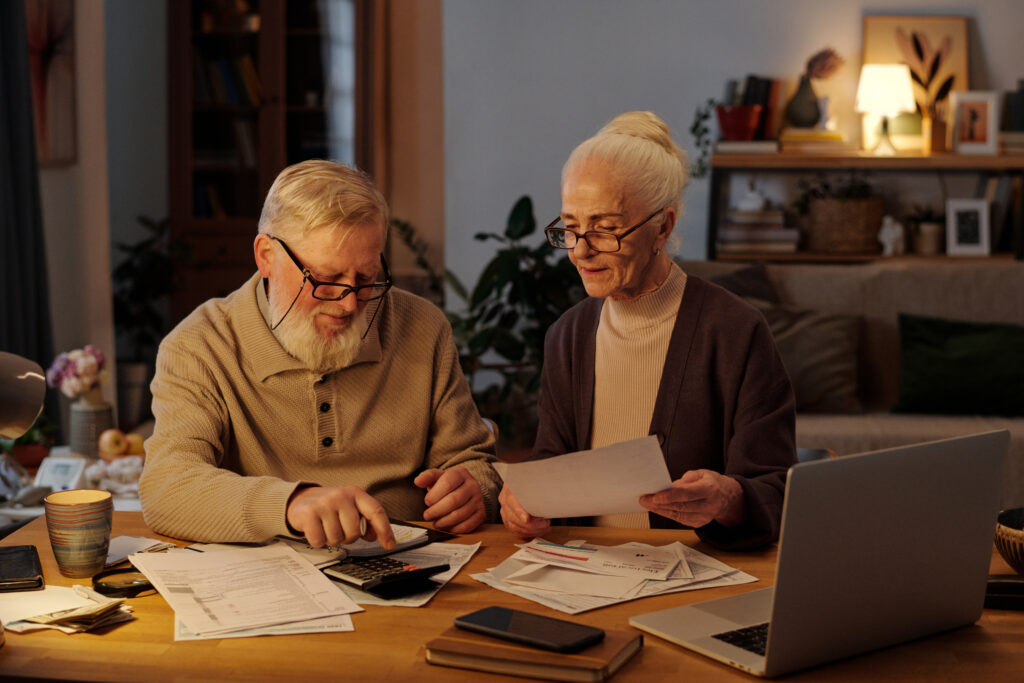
(248, 77)
(753, 233)
(746, 147)
(771, 217)
(468, 650)
(824, 147)
(228, 76)
(246, 142)
(792, 134)
(748, 247)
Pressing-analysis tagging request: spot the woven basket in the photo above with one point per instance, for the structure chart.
(845, 226)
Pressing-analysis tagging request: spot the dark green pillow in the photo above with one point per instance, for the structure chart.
(953, 367)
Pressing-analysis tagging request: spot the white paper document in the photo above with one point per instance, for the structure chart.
(336, 624)
(602, 481)
(219, 592)
(573, 591)
(646, 563)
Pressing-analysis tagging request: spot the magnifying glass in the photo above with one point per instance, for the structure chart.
(126, 582)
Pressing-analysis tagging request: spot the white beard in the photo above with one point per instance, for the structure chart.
(300, 338)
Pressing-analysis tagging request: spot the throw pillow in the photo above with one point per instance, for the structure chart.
(819, 351)
(750, 282)
(954, 367)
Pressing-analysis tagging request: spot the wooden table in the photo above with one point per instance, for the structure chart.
(388, 641)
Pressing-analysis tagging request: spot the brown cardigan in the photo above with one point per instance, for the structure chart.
(724, 403)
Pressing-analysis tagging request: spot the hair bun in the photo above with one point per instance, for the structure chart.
(645, 125)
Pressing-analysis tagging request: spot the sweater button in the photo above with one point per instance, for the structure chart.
(324, 407)
(327, 442)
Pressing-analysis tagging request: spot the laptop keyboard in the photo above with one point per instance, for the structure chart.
(751, 638)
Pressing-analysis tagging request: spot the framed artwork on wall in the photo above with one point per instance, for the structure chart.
(935, 51)
(974, 125)
(50, 26)
(967, 227)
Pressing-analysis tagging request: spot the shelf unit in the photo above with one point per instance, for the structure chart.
(724, 165)
(247, 97)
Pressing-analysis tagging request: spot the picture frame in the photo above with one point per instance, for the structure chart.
(967, 227)
(935, 49)
(974, 122)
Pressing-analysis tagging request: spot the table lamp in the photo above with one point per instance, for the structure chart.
(22, 392)
(885, 90)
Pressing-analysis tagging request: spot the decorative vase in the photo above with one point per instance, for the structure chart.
(90, 416)
(802, 109)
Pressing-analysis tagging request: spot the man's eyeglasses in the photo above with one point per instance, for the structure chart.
(336, 291)
(562, 237)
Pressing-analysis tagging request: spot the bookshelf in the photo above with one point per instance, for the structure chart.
(724, 165)
(248, 95)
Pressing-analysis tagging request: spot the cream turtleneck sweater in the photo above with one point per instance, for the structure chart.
(632, 342)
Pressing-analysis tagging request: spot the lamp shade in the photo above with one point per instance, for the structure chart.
(885, 89)
(22, 390)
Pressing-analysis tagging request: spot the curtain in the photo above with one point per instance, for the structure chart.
(25, 327)
(372, 102)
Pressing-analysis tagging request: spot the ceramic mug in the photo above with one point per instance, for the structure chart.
(78, 522)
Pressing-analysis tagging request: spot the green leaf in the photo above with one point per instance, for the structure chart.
(456, 285)
(521, 221)
(508, 346)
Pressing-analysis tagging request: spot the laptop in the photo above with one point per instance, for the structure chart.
(876, 549)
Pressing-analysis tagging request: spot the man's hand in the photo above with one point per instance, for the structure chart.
(334, 515)
(517, 519)
(454, 500)
(698, 497)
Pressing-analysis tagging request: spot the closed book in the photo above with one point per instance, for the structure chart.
(20, 569)
(748, 233)
(468, 650)
(749, 247)
(810, 134)
(746, 147)
(775, 216)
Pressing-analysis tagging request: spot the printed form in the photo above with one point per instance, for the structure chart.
(602, 481)
(242, 589)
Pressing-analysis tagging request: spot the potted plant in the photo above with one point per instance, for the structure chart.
(840, 215)
(29, 449)
(521, 291)
(142, 281)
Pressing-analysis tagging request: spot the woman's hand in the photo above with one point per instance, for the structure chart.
(699, 497)
(517, 519)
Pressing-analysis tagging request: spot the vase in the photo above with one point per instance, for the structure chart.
(90, 416)
(802, 109)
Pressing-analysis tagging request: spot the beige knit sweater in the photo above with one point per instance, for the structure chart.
(631, 344)
(240, 423)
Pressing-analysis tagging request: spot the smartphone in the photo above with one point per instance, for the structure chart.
(531, 629)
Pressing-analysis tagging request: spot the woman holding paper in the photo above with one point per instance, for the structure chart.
(654, 351)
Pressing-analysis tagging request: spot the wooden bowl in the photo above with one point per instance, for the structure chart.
(1010, 537)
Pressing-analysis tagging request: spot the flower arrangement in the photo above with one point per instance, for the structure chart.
(76, 372)
(823, 63)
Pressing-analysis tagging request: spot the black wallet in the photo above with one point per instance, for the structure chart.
(20, 569)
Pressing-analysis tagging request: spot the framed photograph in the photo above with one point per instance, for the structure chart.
(974, 125)
(967, 227)
(935, 51)
(50, 27)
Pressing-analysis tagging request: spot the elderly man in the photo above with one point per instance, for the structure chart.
(315, 399)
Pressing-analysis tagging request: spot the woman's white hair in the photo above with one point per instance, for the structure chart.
(640, 147)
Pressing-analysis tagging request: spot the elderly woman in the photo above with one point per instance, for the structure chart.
(654, 351)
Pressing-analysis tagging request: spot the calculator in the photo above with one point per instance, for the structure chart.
(386, 577)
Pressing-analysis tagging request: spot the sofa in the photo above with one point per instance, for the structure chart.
(895, 351)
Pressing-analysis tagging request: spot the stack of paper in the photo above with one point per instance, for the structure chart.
(246, 591)
(578, 576)
(71, 610)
